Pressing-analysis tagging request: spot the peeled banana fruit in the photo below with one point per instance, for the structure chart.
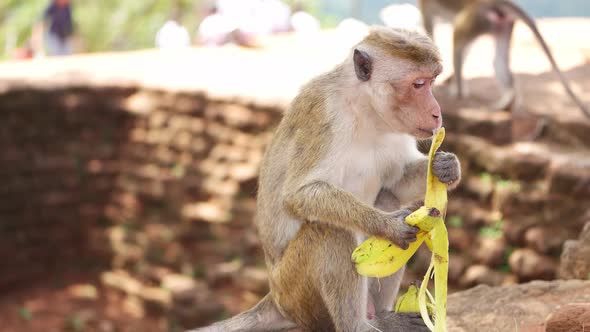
(378, 257)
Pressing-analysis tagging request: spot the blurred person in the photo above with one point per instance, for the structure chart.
(215, 29)
(352, 30)
(24, 52)
(405, 16)
(172, 35)
(244, 22)
(54, 32)
(303, 22)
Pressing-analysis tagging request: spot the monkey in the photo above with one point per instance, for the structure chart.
(473, 18)
(343, 165)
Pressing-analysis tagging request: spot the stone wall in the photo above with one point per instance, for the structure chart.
(59, 151)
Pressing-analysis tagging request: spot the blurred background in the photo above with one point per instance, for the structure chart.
(103, 26)
(132, 132)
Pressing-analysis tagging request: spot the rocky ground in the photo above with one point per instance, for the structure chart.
(510, 188)
(524, 308)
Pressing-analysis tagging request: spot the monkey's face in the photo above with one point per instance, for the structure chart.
(407, 105)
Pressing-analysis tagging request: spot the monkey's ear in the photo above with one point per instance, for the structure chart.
(362, 65)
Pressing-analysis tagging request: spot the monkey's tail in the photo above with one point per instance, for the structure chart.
(263, 317)
(514, 8)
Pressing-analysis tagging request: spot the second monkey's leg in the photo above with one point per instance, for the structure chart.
(502, 66)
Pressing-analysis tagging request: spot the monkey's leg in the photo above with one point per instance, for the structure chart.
(345, 295)
(502, 66)
(427, 16)
(459, 50)
(384, 291)
(263, 317)
(315, 283)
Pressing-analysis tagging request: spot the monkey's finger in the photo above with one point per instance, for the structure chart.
(408, 232)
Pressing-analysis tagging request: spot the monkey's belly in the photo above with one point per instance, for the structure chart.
(297, 279)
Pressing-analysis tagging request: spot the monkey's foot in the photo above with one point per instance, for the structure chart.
(507, 102)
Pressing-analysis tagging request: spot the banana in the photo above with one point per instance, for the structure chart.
(379, 258)
(408, 302)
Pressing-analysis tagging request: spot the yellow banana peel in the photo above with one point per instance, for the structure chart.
(408, 302)
(378, 257)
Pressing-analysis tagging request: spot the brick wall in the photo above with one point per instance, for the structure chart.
(92, 170)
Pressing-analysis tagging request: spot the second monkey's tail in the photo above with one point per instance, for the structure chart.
(263, 317)
(516, 10)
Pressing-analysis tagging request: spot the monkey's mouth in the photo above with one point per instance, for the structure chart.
(425, 133)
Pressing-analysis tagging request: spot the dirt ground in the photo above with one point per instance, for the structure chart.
(55, 305)
(70, 301)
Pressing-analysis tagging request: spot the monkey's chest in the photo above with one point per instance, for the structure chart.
(363, 177)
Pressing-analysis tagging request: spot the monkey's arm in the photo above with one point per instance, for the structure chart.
(323, 202)
(412, 186)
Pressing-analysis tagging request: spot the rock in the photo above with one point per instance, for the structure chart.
(156, 300)
(195, 306)
(481, 274)
(526, 126)
(573, 317)
(460, 239)
(570, 180)
(481, 188)
(529, 265)
(121, 280)
(522, 307)
(178, 283)
(514, 229)
(83, 291)
(133, 305)
(545, 240)
(211, 211)
(490, 251)
(457, 265)
(575, 257)
(155, 274)
(471, 213)
(510, 279)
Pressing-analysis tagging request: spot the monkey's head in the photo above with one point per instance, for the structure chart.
(396, 69)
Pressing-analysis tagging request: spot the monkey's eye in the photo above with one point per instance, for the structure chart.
(418, 84)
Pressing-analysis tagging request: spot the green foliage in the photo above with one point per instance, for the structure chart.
(487, 177)
(178, 170)
(493, 231)
(114, 25)
(505, 266)
(455, 221)
(75, 322)
(504, 183)
(101, 25)
(25, 313)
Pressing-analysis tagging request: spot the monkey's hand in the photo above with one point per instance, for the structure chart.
(447, 169)
(398, 231)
